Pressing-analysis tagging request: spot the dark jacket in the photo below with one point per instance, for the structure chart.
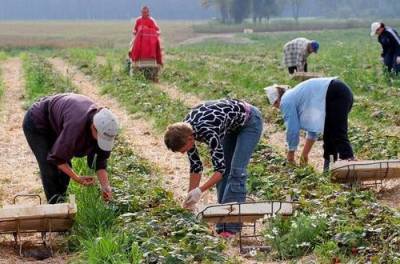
(390, 41)
(66, 119)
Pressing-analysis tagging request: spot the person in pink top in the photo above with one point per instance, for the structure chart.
(145, 21)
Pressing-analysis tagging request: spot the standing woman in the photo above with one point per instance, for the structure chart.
(231, 129)
(390, 42)
(317, 105)
(145, 21)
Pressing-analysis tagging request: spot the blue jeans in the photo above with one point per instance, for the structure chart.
(238, 148)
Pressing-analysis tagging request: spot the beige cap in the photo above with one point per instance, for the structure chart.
(273, 93)
(374, 27)
(107, 127)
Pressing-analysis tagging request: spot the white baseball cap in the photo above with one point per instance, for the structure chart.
(107, 127)
(374, 27)
(273, 93)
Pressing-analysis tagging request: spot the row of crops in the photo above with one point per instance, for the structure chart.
(332, 220)
(145, 223)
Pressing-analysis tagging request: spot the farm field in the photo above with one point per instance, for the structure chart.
(144, 222)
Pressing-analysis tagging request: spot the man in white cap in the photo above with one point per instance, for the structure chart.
(63, 126)
(390, 42)
(296, 52)
(319, 105)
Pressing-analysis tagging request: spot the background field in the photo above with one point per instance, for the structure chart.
(144, 221)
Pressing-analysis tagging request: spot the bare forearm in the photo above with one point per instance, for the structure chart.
(215, 178)
(68, 170)
(194, 181)
(102, 176)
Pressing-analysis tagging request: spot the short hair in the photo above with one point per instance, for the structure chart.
(176, 135)
(145, 7)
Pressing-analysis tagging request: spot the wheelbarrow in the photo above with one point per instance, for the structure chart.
(17, 219)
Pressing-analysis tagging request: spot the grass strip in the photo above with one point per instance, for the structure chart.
(41, 80)
(143, 223)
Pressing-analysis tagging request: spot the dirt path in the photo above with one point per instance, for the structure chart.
(19, 171)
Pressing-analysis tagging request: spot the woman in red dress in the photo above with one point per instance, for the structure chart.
(146, 44)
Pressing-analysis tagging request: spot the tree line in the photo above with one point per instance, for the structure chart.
(236, 11)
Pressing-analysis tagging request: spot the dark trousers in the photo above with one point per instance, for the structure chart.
(339, 101)
(390, 60)
(294, 69)
(55, 182)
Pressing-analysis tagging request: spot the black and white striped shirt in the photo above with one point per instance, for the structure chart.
(211, 121)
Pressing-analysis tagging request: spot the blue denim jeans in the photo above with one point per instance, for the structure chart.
(238, 148)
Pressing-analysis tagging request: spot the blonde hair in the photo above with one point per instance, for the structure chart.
(176, 135)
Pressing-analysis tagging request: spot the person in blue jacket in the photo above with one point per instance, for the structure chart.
(318, 105)
(390, 42)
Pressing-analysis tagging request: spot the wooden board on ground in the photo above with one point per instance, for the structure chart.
(302, 76)
(37, 218)
(244, 212)
(363, 171)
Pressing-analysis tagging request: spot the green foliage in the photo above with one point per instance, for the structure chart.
(111, 247)
(3, 55)
(351, 225)
(142, 223)
(298, 236)
(41, 80)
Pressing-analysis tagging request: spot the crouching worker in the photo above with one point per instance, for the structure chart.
(296, 52)
(231, 129)
(317, 105)
(64, 126)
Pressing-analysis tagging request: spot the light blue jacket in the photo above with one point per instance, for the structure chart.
(303, 107)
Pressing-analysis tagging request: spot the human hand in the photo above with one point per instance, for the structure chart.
(398, 60)
(85, 180)
(106, 193)
(192, 198)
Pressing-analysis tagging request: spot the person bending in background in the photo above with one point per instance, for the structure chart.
(231, 129)
(296, 52)
(64, 126)
(317, 105)
(390, 42)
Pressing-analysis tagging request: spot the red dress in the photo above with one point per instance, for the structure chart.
(146, 45)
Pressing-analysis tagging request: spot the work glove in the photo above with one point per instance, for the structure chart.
(192, 198)
(398, 60)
